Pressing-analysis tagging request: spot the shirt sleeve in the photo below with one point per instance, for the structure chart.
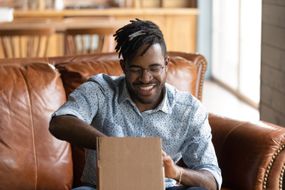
(198, 151)
(83, 102)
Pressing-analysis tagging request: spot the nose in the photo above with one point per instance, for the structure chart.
(146, 76)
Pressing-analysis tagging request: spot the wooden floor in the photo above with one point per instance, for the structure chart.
(219, 101)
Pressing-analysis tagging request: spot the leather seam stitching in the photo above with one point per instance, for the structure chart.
(269, 167)
(33, 132)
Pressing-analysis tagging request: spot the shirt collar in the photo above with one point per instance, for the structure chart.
(164, 106)
(124, 94)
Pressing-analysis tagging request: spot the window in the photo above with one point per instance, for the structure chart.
(236, 47)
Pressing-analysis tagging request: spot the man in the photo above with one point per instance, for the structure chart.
(142, 104)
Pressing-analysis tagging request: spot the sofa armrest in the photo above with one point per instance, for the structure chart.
(250, 155)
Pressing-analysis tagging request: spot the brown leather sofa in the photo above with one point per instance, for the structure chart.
(251, 155)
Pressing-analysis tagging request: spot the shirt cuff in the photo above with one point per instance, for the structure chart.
(66, 111)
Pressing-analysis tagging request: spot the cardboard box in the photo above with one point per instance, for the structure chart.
(129, 163)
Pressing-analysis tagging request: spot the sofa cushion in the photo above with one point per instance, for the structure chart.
(31, 158)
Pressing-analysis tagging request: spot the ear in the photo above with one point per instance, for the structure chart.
(123, 65)
(167, 61)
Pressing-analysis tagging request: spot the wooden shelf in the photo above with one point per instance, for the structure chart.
(106, 12)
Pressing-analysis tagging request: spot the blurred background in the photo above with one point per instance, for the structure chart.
(239, 38)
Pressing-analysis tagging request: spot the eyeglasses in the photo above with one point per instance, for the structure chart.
(154, 70)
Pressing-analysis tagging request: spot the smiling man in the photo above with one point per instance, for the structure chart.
(142, 104)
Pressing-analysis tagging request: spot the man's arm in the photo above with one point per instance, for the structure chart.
(74, 130)
(187, 177)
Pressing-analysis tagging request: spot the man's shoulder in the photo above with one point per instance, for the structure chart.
(101, 84)
(106, 81)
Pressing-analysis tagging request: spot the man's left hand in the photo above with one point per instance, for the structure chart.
(171, 170)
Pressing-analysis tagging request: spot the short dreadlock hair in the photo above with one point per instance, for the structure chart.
(136, 34)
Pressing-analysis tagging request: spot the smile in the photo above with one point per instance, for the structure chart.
(146, 89)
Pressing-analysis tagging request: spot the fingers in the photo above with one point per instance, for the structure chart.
(163, 153)
(167, 160)
(165, 157)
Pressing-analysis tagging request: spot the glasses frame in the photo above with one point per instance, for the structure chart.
(153, 70)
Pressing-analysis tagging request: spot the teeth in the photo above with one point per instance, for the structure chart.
(146, 87)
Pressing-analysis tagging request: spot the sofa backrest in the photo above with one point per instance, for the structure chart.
(186, 70)
(30, 157)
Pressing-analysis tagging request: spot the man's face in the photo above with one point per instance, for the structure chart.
(145, 77)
